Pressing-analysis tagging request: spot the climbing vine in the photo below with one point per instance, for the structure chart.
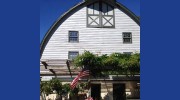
(116, 63)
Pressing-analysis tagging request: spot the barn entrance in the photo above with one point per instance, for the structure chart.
(119, 92)
(96, 91)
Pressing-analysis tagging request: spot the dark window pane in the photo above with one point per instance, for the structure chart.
(129, 53)
(73, 36)
(96, 9)
(127, 38)
(73, 39)
(105, 9)
(73, 33)
(73, 55)
(127, 35)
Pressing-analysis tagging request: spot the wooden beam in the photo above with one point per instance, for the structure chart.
(45, 64)
(53, 72)
(68, 65)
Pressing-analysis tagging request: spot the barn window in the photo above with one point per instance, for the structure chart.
(72, 54)
(128, 53)
(73, 36)
(127, 37)
(100, 14)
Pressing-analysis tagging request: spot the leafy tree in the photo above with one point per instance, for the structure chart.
(45, 89)
(56, 85)
(65, 89)
(48, 87)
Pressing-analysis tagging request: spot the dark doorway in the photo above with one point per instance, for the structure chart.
(96, 91)
(119, 92)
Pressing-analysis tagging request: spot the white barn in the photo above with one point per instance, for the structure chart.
(98, 26)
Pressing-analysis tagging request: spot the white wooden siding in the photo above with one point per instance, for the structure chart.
(104, 40)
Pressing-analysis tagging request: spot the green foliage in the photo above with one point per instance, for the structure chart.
(79, 88)
(45, 88)
(86, 58)
(82, 86)
(74, 91)
(111, 60)
(115, 63)
(56, 85)
(65, 89)
(134, 63)
(48, 87)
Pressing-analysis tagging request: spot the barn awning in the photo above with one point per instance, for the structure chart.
(57, 67)
(64, 68)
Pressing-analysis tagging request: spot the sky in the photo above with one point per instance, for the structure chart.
(51, 10)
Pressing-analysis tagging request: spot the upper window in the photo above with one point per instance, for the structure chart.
(73, 36)
(127, 37)
(129, 53)
(73, 54)
(100, 14)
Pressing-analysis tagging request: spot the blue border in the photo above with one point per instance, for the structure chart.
(19, 52)
(160, 57)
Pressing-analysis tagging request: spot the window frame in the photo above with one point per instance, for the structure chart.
(127, 38)
(103, 16)
(88, 15)
(73, 37)
(100, 16)
(128, 53)
(72, 52)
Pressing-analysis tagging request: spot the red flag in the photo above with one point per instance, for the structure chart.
(89, 98)
(84, 73)
(80, 75)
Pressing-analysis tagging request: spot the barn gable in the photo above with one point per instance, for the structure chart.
(55, 44)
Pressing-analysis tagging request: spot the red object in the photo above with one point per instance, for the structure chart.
(90, 98)
(76, 79)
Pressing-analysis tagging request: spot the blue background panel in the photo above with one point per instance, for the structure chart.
(160, 47)
(19, 52)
